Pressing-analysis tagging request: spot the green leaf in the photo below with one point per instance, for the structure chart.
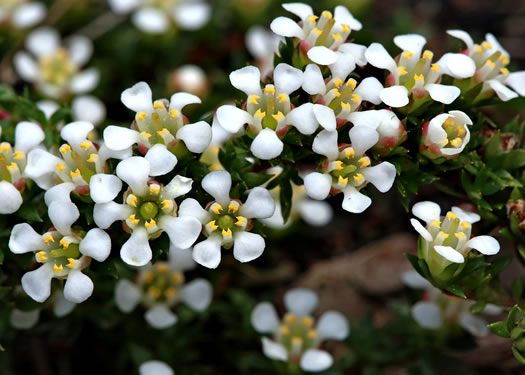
(518, 355)
(59, 116)
(253, 179)
(515, 315)
(28, 211)
(477, 307)
(456, 290)
(7, 94)
(499, 329)
(517, 289)
(493, 146)
(285, 198)
(514, 159)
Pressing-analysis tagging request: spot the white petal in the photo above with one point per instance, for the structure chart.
(461, 117)
(76, 132)
(287, 79)
(266, 145)
(43, 41)
(470, 217)
(343, 15)
(382, 176)
(88, 108)
(436, 133)
(28, 135)
(160, 317)
(325, 143)
(63, 214)
(247, 79)
(421, 230)
(496, 45)
(119, 138)
(96, 244)
(303, 119)
(190, 16)
(354, 201)
(369, 90)
(219, 135)
(450, 254)
(313, 81)
(357, 50)
(264, 318)
(196, 136)
(151, 20)
(127, 295)
(332, 325)
(315, 360)
(183, 231)
(78, 287)
(260, 42)
(484, 244)
(105, 153)
(190, 207)
(80, 49)
(177, 187)
(259, 205)
(84, 81)
(104, 188)
(28, 15)
(182, 99)
(62, 306)
(443, 93)
(40, 162)
(20, 319)
(232, 118)
(301, 10)
(378, 56)
(60, 192)
(274, 350)
(160, 159)
(410, 42)
(208, 252)
(317, 185)
(247, 246)
(325, 116)
(427, 314)
(136, 250)
(462, 35)
(363, 138)
(414, 280)
(315, 213)
(24, 239)
(300, 301)
(322, 55)
(181, 259)
(286, 27)
(138, 98)
(11, 198)
(48, 107)
(122, 6)
(457, 65)
(37, 283)
(197, 294)
(395, 96)
(473, 324)
(135, 172)
(517, 82)
(155, 368)
(503, 92)
(106, 214)
(344, 65)
(218, 185)
(26, 67)
(426, 211)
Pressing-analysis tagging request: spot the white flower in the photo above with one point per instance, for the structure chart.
(22, 14)
(149, 208)
(83, 108)
(348, 169)
(413, 74)
(296, 338)
(445, 135)
(153, 17)
(28, 135)
(161, 286)
(158, 123)
(226, 222)
(446, 240)
(80, 160)
(317, 37)
(263, 45)
(155, 368)
(190, 78)
(62, 252)
(55, 70)
(490, 60)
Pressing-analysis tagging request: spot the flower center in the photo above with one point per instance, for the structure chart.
(160, 284)
(57, 69)
(450, 232)
(61, 251)
(414, 72)
(270, 109)
(455, 133)
(226, 220)
(12, 163)
(297, 334)
(323, 31)
(159, 126)
(149, 210)
(79, 164)
(347, 169)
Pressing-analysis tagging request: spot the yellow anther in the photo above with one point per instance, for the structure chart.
(212, 225)
(486, 45)
(42, 256)
(337, 36)
(154, 292)
(407, 54)
(269, 89)
(162, 132)
(145, 134)
(307, 321)
(74, 174)
(260, 114)
(460, 130)
(504, 59)
(65, 148)
(58, 268)
(312, 334)
(285, 330)
(338, 82)
(456, 142)
(313, 19)
(401, 70)
(297, 340)
(419, 77)
(163, 268)
(317, 31)
(170, 292)
(217, 208)
(449, 122)
(279, 115)
(154, 189)
(504, 71)
(241, 221)
(64, 243)
(60, 167)
(338, 165)
(445, 142)
(48, 238)
(150, 224)
(148, 277)
(133, 219)
(226, 232)
(358, 177)
(436, 223)
(443, 234)
(91, 158)
(345, 27)
(132, 200)
(465, 224)
(290, 318)
(365, 161)
(141, 115)
(71, 263)
(435, 67)
(253, 99)
(491, 63)
(5, 147)
(428, 55)
(176, 277)
(85, 145)
(350, 153)
(451, 215)
(356, 98)
(283, 98)
(158, 105)
(342, 181)
(460, 235)
(12, 166)
(345, 105)
(352, 83)
(232, 207)
(327, 14)
(173, 113)
(166, 204)
(18, 155)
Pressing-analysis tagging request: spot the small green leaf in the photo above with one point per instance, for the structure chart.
(499, 329)
(456, 290)
(518, 355)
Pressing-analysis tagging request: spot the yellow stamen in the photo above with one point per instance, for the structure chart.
(342, 181)
(217, 208)
(345, 27)
(456, 142)
(338, 165)
(145, 134)
(269, 89)
(451, 215)
(358, 177)
(401, 70)
(327, 14)
(504, 59)
(158, 105)
(149, 224)
(420, 77)
(465, 224)
(253, 99)
(290, 318)
(435, 67)
(356, 98)
(337, 36)
(91, 158)
(11, 166)
(504, 71)
(226, 232)
(428, 55)
(166, 204)
(162, 132)
(278, 115)
(338, 82)
(85, 145)
(212, 225)
(170, 292)
(141, 115)
(297, 340)
(154, 189)
(352, 83)
(460, 130)
(60, 167)
(58, 268)
(408, 54)
(148, 276)
(173, 113)
(132, 200)
(176, 277)
(64, 243)
(491, 63)
(449, 122)
(5, 147)
(365, 161)
(163, 268)
(313, 19)
(350, 153)
(345, 105)
(65, 148)
(48, 238)
(75, 173)
(436, 223)
(443, 234)
(19, 154)
(486, 45)
(233, 207)
(307, 321)
(42, 256)
(134, 220)
(460, 235)
(317, 31)
(260, 114)
(283, 98)
(312, 334)
(240, 221)
(285, 330)
(154, 292)
(71, 262)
